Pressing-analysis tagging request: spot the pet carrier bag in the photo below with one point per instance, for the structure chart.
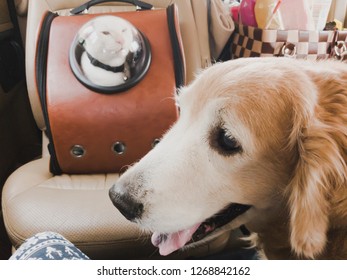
(106, 84)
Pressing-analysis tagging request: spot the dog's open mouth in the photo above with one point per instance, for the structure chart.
(170, 242)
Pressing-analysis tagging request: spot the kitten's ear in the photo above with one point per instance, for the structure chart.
(85, 33)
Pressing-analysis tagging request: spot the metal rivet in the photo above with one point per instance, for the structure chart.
(340, 49)
(77, 151)
(119, 148)
(288, 50)
(155, 142)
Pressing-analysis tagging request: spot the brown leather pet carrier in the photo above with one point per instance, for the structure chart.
(106, 84)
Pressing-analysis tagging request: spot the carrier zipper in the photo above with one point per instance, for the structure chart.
(177, 51)
(41, 76)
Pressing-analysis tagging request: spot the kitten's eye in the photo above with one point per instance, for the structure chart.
(124, 30)
(106, 33)
(227, 144)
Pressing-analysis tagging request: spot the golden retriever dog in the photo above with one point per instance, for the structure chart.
(260, 142)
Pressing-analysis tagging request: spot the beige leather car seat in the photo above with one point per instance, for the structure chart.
(78, 206)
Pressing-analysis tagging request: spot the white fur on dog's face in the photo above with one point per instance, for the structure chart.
(187, 177)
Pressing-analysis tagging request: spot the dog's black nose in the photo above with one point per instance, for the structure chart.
(130, 208)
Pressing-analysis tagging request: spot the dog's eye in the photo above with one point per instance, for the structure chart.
(227, 144)
(124, 30)
(106, 33)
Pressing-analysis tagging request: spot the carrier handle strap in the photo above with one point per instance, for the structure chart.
(140, 4)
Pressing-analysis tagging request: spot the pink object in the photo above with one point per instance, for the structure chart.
(173, 241)
(234, 10)
(247, 16)
(296, 14)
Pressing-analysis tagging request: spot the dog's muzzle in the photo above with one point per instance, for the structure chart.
(130, 208)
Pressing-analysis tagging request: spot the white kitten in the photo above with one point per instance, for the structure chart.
(107, 42)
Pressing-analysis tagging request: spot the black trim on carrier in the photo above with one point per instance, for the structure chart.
(41, 76)
(177, 54)
(84, 7)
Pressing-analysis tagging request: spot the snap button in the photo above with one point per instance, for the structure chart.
(119, 148)
(340, 49)
(288, 50)
(77, 151)
(155, 142)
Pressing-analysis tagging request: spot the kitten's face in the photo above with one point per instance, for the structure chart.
(108, 39)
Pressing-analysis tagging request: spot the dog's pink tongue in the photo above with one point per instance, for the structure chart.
(168, 243)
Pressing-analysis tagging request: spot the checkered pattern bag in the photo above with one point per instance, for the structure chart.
(248, 41)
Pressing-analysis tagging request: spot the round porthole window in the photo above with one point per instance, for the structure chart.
(109, 54)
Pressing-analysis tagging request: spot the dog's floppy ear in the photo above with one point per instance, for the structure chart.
(320, 169)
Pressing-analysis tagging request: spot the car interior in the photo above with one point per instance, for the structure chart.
(33, 199)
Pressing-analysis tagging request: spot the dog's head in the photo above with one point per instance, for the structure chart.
(108, 39)
(248, 148)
